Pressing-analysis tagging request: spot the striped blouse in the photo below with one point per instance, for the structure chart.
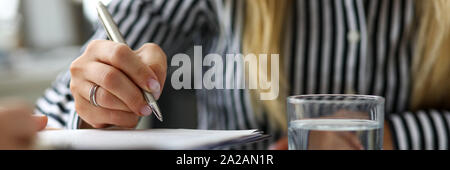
(331, 46)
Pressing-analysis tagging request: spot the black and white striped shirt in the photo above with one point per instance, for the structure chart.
(331, 46)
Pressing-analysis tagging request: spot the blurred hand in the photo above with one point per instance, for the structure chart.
(325, 140)
(333, 140)
(330, 140)
(336, 140)
(18, 127)
(120, 73)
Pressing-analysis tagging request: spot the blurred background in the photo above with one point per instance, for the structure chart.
(40, 38)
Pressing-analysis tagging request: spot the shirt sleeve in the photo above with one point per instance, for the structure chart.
(420, 130)
(175, 25)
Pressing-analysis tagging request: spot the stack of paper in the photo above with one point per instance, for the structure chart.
(167, 139)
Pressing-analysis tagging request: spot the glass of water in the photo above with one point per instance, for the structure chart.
(335, 122)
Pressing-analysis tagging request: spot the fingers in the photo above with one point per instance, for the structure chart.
(17, 120)
(118, 84)
(100, 117)
(123, 58)
(17, 129)
(153, 56)
(103, 97)
(40, 121)
(120, 73)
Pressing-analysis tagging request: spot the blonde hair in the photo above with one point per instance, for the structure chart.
(431, 62)
(264, 24)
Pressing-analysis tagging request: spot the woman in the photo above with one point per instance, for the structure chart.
(391, 48)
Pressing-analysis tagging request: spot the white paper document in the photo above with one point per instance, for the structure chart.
(164, 139)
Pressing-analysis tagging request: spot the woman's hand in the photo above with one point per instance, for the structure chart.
(18, 127)
(120, 73)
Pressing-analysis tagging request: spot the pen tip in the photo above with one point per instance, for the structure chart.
(152, 103)
(156, 111)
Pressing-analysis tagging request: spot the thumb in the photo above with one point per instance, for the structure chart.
(40, 121)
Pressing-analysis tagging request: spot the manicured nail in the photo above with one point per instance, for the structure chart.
(39, 115)
(155, 88)
(146, 110)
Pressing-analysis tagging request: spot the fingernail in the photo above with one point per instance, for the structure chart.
(155, 88)
(146, 110)
(39, 115)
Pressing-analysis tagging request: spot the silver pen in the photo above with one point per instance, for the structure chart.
(115, 35)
